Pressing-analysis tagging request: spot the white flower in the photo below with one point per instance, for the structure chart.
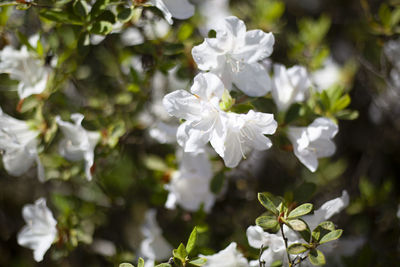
(244, 132)
(234, 54)
(154, 247)
(327, 76)
(327, 210)
(274, 242)
(231, 135)
(314, 141)
(289, 85)
(164, 133)
(19, 145)
(190, 185)
(180, 9)
(200, 109)
(214, 12)
(229, 257)
(40, 230)
(24, 66)
(78, 143)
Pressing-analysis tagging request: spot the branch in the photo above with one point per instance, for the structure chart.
(286, 245)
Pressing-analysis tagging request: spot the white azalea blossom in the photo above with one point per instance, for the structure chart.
(234, 56)
(180, 9)
(276, 249)
(314, 141)
(327, 76)
(40, 230)
(327, 210)
(190, 185)
(229, 257)
(289, 85)
(231, 135)
(19, 145)
(78, 143)
(245, 132)
(200, 109)
(154, 247)
(24, 66)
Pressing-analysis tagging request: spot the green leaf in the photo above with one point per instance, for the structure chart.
(293, 113)
(164, 265)
(333, 235)
(98, 7)
(107, 15)
(297, 224)
(192, 241)
(140, 262)
(61, 17)
(180, 253)
(126, 265)
(316, 257)
(198, 261)
(297, 248)
(327, 225)
(316, 233)
(301, 210)
(125, 15)
(347, 114)
(80, 8)
(342, 103)
(395, 18)
(101, 27)
(325, 100)
(267, 203)
(24, 40)
(185, 31)
(306, 234)
(217, 183)
(267, 222)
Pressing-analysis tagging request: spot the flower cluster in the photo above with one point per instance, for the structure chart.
(233, 59)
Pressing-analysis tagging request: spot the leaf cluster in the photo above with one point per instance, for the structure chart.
(180, 256)
(287, 214)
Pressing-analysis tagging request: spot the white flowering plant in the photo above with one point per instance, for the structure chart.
(130, 122)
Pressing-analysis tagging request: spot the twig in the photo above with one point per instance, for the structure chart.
(286, 245)
(261, 263)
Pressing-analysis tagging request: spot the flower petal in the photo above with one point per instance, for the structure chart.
(206, 56)
(253, 80)
(182, 104)
(180, 9)
(258, 45)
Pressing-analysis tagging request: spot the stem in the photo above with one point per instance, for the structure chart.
(261, 263)
(286, 245)
(299, 260)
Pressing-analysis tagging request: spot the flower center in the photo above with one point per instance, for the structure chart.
(236, 65)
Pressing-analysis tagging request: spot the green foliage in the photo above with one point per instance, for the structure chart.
(316, 257)
(308, 47)
(301, 210)
(267, 203)
(323, 233)
(181, 255)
